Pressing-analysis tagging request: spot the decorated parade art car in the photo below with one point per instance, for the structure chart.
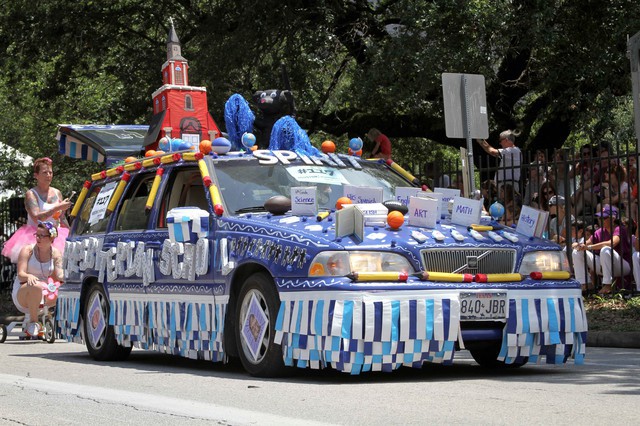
(204, 256)
(289, 256)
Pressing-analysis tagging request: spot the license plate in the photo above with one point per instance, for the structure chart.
(483, 306)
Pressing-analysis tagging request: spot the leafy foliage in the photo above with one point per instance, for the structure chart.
(557, 70)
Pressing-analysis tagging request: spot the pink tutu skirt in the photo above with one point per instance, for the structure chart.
(24, 236)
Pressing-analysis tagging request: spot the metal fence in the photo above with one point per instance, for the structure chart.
(585, 180)
(12, 216)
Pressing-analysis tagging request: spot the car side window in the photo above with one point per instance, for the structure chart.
(133, 214)
(88, 222)
(184, 189)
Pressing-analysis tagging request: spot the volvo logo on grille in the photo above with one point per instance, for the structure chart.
(472, 262)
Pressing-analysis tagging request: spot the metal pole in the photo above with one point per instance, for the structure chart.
(467, 134)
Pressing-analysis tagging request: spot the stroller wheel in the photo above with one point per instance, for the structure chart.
(49, 331)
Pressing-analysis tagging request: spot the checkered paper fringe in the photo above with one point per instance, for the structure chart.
(191, 330)
(68, 318)
(356, 336)
(553, 327)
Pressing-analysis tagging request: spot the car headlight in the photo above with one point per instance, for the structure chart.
(544, 261)
(341, 263)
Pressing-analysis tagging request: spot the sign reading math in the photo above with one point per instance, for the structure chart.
(466, 211)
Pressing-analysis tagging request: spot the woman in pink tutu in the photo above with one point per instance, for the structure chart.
(43, 203)
(37, 264)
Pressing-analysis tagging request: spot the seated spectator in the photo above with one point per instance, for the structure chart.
(557, 225)
(547, 190)
(561, 175)
(536, 178)
(607, 252)
(489, 191)
(586, 170)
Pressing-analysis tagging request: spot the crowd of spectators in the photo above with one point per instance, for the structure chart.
(581, 192)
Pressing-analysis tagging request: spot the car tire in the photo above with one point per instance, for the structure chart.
(486, 355)
(98, 334)
(3, 333)
(257, 308)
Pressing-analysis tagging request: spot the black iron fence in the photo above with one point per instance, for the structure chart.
(573, 186)
(12, 216)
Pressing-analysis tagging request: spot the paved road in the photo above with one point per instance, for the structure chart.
(60, 384)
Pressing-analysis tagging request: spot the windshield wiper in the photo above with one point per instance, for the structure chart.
(250, 209)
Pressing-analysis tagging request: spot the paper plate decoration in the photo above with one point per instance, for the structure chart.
(205, 146)
(355, 144)
(328, 147)
(220, 145)
(395, 219)
(248, 140)
(496, 210)
(342, 201)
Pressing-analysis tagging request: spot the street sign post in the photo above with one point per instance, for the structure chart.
(465, 113)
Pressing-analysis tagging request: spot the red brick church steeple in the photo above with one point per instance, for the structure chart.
(179, 110)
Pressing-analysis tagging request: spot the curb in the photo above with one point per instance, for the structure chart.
(623, 339)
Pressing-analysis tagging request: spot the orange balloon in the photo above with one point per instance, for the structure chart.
(205, 146)
(130, 159)
(395, 219)
(254, 147)
(159, 152)
(328, 147)
(341, 201)
(150, 153)
(356, 153)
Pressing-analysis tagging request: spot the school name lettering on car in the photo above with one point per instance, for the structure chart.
(179, 260)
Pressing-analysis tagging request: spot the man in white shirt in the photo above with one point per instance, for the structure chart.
(510, 159)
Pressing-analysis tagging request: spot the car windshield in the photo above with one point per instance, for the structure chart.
(246, 184)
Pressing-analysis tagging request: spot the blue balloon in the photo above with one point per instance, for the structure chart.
(176, 144)
(248, 140)
(355, 144)
(496, 210)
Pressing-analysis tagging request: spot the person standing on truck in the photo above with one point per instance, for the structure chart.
(510, 159)
(382, 149)
(43, 203)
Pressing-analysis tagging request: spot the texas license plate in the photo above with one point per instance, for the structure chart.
(483, 306)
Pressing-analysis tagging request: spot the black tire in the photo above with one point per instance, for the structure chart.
(486, 354)
(100, 338)
(49, 331)
(268, 361)
(3, 333)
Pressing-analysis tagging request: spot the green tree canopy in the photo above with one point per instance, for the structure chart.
(557, 70)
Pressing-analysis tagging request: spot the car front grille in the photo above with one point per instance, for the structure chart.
(469, 261)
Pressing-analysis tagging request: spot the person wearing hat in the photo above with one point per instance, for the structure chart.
(558, 231)
(607, 251)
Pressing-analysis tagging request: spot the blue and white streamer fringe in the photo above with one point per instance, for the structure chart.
(368, 334)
